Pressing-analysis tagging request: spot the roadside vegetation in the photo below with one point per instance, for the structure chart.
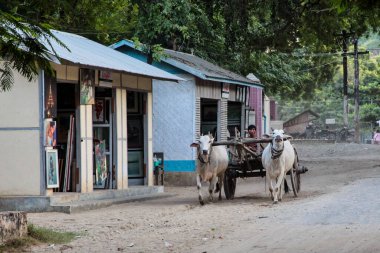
(37, 235)
(328, 99)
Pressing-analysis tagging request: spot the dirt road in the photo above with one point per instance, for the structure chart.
(338, 210)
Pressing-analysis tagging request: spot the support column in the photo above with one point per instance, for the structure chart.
(223, 119)
(86, 147)
(121, 140)
(149, 114)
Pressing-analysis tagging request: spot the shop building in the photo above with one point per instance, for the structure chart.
(210, 99)
(87, 128)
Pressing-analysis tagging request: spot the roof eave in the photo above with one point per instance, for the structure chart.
(184, 67)
(224, 80)
(67, 62)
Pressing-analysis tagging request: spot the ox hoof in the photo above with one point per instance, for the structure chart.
(201, 201)
(275, 202)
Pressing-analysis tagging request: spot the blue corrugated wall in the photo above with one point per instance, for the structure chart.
(174, 123)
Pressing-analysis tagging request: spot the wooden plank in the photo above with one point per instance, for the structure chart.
(69, 154)
(247, 141)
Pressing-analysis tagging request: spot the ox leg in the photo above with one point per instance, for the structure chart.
(199, 187)
(221, 178)
(277, 188)
(269, 181)
(212, 187)
(280, 192)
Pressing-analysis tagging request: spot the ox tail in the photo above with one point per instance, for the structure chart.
(286, 186)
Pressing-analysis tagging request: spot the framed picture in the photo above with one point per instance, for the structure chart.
(100, 164)
(132, 102)
(105, 78)
(52, 168)
(98, 111)
(50, 96)
(87, 91)
(50, 128)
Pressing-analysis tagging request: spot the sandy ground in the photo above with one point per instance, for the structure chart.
(338, 210)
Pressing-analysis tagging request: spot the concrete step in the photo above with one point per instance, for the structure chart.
(71, 197)
(69, 202)
(86, 205)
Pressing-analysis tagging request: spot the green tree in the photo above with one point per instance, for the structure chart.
(22, 49)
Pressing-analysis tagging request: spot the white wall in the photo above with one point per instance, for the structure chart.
(267, 129)
(20, 167)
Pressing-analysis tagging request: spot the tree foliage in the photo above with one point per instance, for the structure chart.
(291, 45)
(21, 48)
(328, 100)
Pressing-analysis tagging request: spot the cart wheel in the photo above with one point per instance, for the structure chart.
(229, 184)
(295, 177)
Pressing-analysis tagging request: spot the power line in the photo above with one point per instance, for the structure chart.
(330, 63)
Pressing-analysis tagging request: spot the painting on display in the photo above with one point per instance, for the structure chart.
(50, 96)
(87, 90)
(100, 164)
(105, 78)
(52, 168)
(50, 127)
(98, 111)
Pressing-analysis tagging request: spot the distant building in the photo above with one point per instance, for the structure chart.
(297, 124)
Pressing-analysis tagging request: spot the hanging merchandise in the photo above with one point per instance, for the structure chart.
(100, 164)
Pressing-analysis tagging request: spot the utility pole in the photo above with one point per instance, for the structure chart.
(356, 90)
(345, 36)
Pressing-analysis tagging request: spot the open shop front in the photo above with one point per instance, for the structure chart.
(99, 131)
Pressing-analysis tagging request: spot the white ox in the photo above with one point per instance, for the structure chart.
(277, 159)
(211, 164)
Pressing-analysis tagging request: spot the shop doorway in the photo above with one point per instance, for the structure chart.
(102, 117)
(68, 171)
(135, 130)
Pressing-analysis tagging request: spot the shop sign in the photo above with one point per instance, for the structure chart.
(105, 78)
(225, 90)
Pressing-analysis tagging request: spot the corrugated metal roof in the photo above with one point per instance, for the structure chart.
(206, 70)
(199, 67)
(85, 52)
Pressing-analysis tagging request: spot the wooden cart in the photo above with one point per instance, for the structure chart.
(243, 162)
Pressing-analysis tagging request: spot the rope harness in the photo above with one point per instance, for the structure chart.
(276, 153)
(200, 158)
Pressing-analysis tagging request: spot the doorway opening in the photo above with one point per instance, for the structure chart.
(135, 130)
(68, 170)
